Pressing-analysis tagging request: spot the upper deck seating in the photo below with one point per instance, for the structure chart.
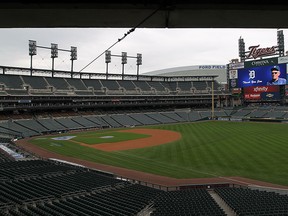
(95, 85)
(58, 83)
(143, 85)
(77, 84)
(184, 86)
(157, 86)
(110, 84)
(173, 86)
(11, 81)
(35, 82)
(127, 84)
(199, 85)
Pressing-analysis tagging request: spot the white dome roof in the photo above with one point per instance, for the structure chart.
(196, 70)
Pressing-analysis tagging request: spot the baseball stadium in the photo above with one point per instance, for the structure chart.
(108, 144)
(203, 140)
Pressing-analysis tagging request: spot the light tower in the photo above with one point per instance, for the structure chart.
(32, 52)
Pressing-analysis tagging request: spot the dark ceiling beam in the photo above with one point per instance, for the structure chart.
(126, 14)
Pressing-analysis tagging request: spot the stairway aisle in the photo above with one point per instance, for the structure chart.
(228, 211)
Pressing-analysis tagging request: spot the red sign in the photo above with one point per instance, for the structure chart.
(236, 90)
(260, 89)
(256, 52)
(252, 96)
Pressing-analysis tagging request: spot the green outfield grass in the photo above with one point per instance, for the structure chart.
(207, 149)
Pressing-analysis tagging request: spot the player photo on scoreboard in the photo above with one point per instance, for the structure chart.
(262, 76)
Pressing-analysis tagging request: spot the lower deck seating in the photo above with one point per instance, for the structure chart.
(46, 187)
(187, 202)
(254, 202)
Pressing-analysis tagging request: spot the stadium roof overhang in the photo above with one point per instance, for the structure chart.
(87, 75)
(154, 13)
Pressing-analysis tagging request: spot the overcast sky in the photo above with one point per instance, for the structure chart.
(160, 48)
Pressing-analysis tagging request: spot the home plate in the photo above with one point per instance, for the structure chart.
(107, 137)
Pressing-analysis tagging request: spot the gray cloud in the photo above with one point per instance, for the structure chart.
(161, 48)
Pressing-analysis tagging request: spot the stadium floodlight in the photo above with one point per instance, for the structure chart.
(32, 48)
(54, 54)
(280, 42)
(241, 49)
(32, 52)
(54, 50)
(107, 60)
(139, 59)
(138, 62)
(124, 57)
(108, 56)
(124, 61)
(73, 53)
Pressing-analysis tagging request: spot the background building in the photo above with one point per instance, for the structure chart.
(194, 70)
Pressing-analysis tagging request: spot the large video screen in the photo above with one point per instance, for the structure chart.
(262, 76)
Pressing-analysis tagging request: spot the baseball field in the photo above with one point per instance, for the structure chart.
(194, 150)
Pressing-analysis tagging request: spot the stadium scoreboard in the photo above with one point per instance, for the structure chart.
(254, 79)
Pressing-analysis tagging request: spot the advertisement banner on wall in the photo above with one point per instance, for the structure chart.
(283, 59)
(236, 65)
(263, 96)
(260, 89)
(256, 96)
(262, 93)
(270, 96)
(236, 90)
(262, 62)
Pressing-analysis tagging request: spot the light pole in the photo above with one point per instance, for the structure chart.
(32, 51)
(54, 54)
(124, 61)
(212, 86)
(138, 62)
(73, 56)
(124, 57)
(107, 61)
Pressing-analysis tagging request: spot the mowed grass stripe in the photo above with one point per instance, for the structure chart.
(252, 150)
(245, 151)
